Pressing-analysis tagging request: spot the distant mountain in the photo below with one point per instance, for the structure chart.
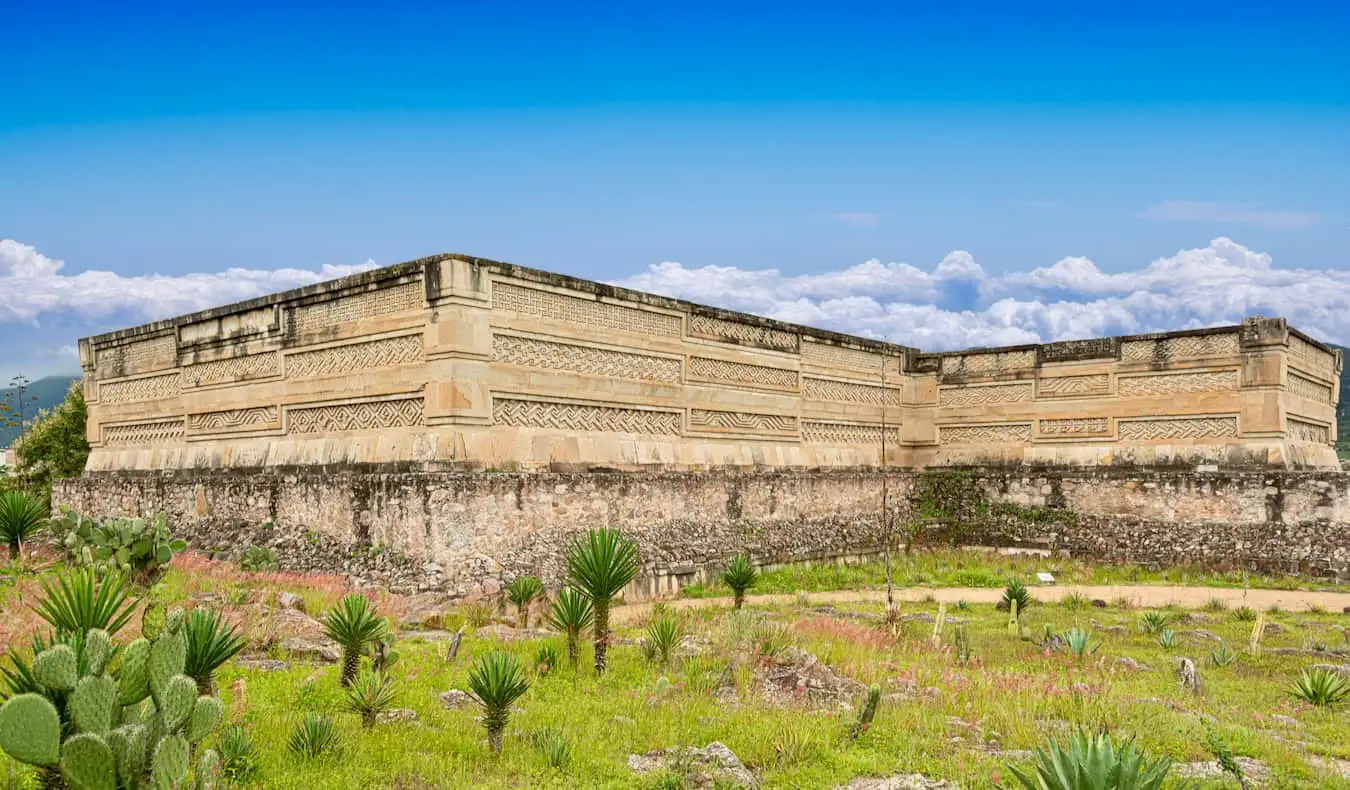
(45, 393)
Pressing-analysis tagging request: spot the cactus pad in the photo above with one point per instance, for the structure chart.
(93, 704)
(206, 716)
(57, 668)
(30, 730)
(87, 763)
(124, 744)
(134, 678)
(152, 621)
(177, 702)
(97, 650)
(170, 763)
(208, 771)
(175, 620)
(167, 657)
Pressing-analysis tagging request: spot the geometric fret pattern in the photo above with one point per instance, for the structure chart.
(741, 422)
(227, 371)
(1073, 386)
(562, 307)
(982, 364)
(581, 417)
(1170, 383)
(393, 413)
(1148, 430)
(1311, 358)
(841, 357)
(1307, 388)
(143, 356)
(149, 388)
(741, 373)
(234, 420)
(145, 433)
(978, 396)
(847, 433)
(984, 434)
(1190, 347)
(743, 334)
(337, 360)
(367, 304)
(1074, 426)
(529, 352)
(848, 392)
(1302, 431)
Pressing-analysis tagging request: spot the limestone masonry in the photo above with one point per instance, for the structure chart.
(452, 362)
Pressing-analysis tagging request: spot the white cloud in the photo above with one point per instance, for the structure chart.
(1206, 211)
(858, 219)
(1217, 284)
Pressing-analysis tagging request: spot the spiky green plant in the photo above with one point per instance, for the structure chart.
(1156, 621)
(664, 635)
(1016, 592)
(572, 614)
(740, 576)
(1223, 755)
(371, 694)
(314, 735)
(20, 517)
(1216, 605)
(866, 712)
(1222, 656)
(83, 599)
(1167, 638)
(770, 640)
(1321, 687)
(1244, 614)
(545, 659)
(1079, 642)
(239, 758)
(1075, 601)
(210, 643)
(522, 591)
(497, 681)
(354, 625)
(601, 563)
(1092, 762)
(961, 643)
(556, 750)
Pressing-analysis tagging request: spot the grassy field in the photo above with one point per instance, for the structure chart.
(940, 716)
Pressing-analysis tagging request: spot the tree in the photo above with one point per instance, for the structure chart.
(18, 407)
(54, 445)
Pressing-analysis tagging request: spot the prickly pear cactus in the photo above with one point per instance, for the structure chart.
(135, 731)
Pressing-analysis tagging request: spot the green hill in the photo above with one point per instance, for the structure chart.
(45, 393)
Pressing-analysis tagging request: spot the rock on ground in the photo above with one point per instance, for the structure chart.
(289, 600)
(1340, 669)
(455, 699)
(426, 610)
(1256, 771)
(799, 677)
(703, 769)
(398, 716)
(900, 782)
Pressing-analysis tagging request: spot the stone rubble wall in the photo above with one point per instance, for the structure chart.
(466, 533)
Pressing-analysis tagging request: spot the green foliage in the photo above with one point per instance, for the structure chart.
(961, 643)
(87, 763)
(314, 735)
(740, 576)
(1216, 605)
(1075, 601)
(210, 643)
(1079, 642)
(354, 625)
(30, 729)
(572, 613)
(20, 517)
(1223, 755)
(1093, 762)
(54, 445)
(139, 548)
(555, 748)
(664, 635)
(239, 759)
(1167, 638)
(866, 713)
(1016, 592)
(497, 681)
(1155, 622)
(1222, 656)
(522, 591)
(545, 659)
(82, 599)
(258, 559)
(1321, 687)
(601, 563)
(371, 694)
(771, 639)
(1244, 614)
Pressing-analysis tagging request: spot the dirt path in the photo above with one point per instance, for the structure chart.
(1142, 595)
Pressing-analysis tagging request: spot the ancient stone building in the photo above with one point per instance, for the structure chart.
(417, 383)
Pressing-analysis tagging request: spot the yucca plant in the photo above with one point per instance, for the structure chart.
(210, 642)
(557, 751)
(771, 639)
(572, 614)
(20, 517)
(1321, 687)
(545, 659)
(1092, 762)
(354, 625)
(238, 756)
(1016, 592)
(1079, 642)
(664, 635)
(522, 591)
(497, 681)
(1155, 622)
(740, 576)
(601, 564)
(83, 600)
(314, 735)
(371, 694)
(1222, 656)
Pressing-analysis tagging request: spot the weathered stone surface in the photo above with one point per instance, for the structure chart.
(703, 769)
(901, 782)
(289, 600)
(1340, 669)
(1257, 772)
(398, 716)
(454, 699)
(426, 610)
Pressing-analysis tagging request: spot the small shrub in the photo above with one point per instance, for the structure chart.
(139, 548)
(866, 713)
(20, 517)
(1320, 687)
(740, 576)
(479, 614)
(571, 614)
(1079, 642)
(664, 635)
(601, 563)
(771, 639)
(355, 627)
(1075, 601)
(1123, 603)
(522, 591)
(545, 659)
(1155, 622)
(555, 748)
(1016, 592)
(1275, 609)
(961, 642)
(371, 694)
(1216, 605)
(497, 681)
(1090, 762)
(259, 559)
(314, 735)
(962, 605)
(239, 758)
(210, 642)
(1167, 638)
(1244, 614)
(1222, 656)
(1316, 608)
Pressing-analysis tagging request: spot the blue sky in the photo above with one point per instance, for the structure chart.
(1196, 152)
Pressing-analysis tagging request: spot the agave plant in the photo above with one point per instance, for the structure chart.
(1168, 638)
(1155, 622)
(572, 614)
(497, 681)
(740, 576)
(1321, 687)
(370, 695)
(522, 591)
(664, 635)
(1016, 592)
(355, 627)
(20, 516)
(1222, 656)
(1079, 642)
(210, 642)
(313, 736)
(601, 564)
(1092, 762)
(81, 601)
(238, 756)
